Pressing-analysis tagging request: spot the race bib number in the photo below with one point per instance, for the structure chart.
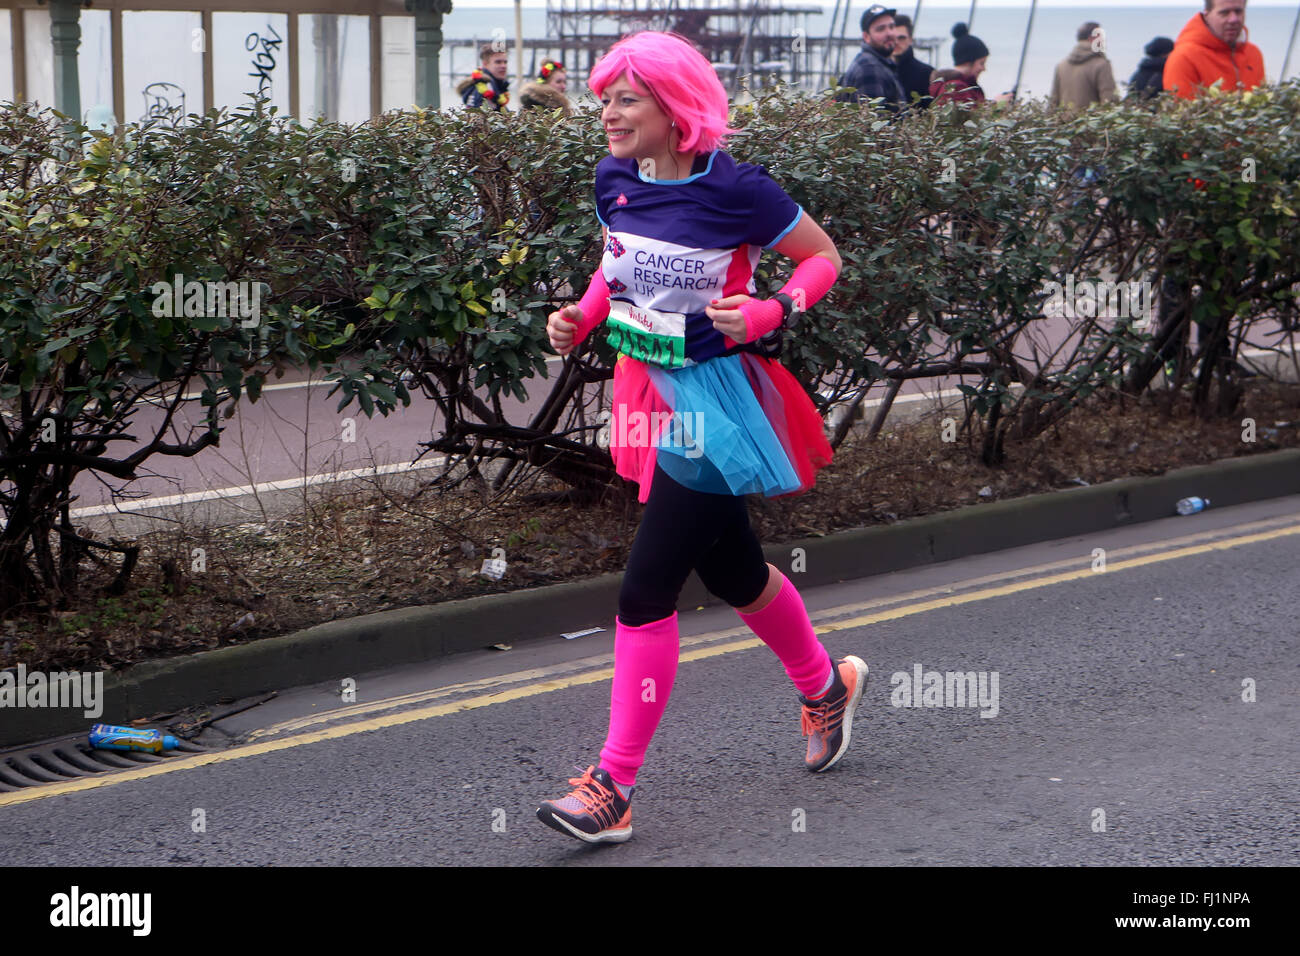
(649, 335)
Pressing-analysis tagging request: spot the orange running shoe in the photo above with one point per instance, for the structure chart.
(828, 723)
(595, 812)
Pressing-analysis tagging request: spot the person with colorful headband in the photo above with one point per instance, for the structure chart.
(547, 91)
(702, 414)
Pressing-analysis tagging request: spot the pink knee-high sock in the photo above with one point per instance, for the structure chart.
(784, 626)
(645, 665)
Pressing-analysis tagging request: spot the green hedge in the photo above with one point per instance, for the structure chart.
(430, 247)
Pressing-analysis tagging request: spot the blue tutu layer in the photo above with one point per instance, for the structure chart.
(720, 440)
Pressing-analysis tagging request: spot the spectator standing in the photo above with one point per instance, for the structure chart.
(1147, 81)
(913, 74)
(961, 84)
(547, 91)
(1213, 46)
(873, 74)
(1085, 76)
(487, 86)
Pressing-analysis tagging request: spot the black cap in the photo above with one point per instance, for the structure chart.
(1160, 46)
(874, 13)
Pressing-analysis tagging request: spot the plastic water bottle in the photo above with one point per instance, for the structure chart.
(108, 737)
(1190, 506)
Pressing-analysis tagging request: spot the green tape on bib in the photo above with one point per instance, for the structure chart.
(666, 351)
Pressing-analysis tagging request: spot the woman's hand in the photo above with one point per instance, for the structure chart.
(726, 316)
(562, 325)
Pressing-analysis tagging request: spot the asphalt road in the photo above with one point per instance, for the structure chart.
(1120, 692)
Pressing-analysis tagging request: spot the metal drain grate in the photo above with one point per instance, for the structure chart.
(73, 759)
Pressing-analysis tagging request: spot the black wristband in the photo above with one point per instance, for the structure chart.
(787, 304)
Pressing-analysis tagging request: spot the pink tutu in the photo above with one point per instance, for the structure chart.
(771, 441)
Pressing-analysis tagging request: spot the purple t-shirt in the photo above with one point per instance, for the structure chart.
(674, 244)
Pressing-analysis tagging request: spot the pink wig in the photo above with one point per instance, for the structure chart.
(680, 79)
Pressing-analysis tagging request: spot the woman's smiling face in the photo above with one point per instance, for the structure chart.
(633, 121)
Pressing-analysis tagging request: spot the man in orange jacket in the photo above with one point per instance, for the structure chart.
(1213, 46)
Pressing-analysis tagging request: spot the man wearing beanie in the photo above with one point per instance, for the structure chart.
(1147, 80)
(873, 74)
(1084, 77)
(1213, 46)
(961, 84)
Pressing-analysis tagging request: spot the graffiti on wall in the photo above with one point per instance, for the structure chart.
(263, 59)
(165, 102)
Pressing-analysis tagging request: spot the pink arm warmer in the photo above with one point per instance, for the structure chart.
(594, 306)
(811, 280)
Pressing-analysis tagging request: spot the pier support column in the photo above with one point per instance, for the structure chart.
(428, 49)
(65, 34)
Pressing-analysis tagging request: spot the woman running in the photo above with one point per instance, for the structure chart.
(701, 416)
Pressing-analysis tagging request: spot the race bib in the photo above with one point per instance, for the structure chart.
(649, 335)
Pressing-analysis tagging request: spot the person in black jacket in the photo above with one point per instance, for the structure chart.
(1148, 79)
(873, 75)
(913, 74)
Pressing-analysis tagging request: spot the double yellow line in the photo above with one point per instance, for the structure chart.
(592, 670)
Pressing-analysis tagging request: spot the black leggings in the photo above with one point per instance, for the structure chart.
(683, 529)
